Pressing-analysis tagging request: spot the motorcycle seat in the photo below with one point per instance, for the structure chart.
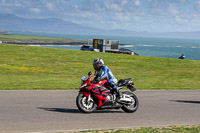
(123, 82)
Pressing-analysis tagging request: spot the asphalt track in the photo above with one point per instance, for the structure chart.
(56, 111)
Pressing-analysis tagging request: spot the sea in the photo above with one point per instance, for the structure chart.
(144, 46)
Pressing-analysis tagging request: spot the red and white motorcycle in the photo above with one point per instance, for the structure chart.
(96, 96)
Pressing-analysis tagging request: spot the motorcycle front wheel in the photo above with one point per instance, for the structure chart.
(84, 104)
(131, 107)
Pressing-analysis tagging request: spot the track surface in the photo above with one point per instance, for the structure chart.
(54, 111)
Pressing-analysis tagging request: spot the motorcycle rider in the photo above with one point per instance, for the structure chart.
(102, 72)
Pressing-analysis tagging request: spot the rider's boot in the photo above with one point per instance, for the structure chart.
(119, 95)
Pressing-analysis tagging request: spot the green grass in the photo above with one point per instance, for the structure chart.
(26, 67)
(36, 39)
(170, 129)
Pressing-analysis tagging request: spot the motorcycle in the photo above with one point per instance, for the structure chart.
(97, 96)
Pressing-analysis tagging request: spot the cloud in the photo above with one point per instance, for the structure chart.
(181, 20)
(112, 6)
(173, 9)
(130, 14)
(35, 10)
(50, 6)
(182, 1)
(86, 15)
(197, 5)
(137, 2)
(124, 2)
(122, 17)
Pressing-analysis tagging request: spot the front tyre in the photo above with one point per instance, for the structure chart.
(84, 104)
(133, 106)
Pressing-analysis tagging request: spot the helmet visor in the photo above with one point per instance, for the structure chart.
(96, 66)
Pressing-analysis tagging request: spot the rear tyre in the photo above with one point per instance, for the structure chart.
(130, 108)
(84, 105)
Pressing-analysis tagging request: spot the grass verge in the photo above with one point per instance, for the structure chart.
(26, 67)
(170, 129)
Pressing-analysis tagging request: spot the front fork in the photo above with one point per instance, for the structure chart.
(99, 101)
(87, 94)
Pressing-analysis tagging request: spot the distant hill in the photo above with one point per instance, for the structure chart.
(10, 22)
(54, 25)
(3, 32)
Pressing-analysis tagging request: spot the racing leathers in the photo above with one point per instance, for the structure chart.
(105, 74)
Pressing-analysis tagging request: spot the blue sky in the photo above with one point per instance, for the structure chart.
(134, 15)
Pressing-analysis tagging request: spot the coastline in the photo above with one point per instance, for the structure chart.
(58, 43)
(43, 43)
(166, 51)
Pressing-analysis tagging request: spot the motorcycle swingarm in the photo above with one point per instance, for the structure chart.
(111, 105)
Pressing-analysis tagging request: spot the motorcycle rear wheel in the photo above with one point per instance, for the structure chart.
(84, 105)
(130, 108)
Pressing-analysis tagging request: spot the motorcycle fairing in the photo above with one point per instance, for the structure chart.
(100, 93)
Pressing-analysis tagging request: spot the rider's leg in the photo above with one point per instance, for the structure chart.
(114, 87)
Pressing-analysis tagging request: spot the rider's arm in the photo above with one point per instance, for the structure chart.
(104, 72)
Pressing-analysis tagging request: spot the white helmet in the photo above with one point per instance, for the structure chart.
(98, 63)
